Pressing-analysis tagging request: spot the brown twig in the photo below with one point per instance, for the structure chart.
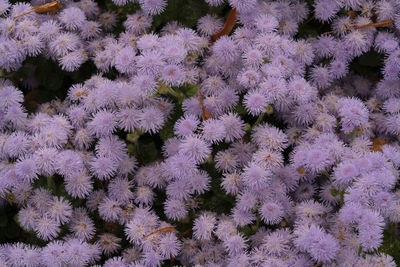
(341, 234)
(162, 230)
(205, 115)
(52, 8)
(226, 30)
(186, 233)
(228, 26)
(377, 144)
(383, 23)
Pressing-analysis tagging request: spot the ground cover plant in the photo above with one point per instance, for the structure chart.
(199, 133)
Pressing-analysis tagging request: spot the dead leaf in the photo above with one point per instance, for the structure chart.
(383, 23)
(205, 115)
(162, 230)
(52, 8)
(377, 144)
(228, 26)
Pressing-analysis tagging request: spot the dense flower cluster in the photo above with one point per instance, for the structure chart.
(306, 149)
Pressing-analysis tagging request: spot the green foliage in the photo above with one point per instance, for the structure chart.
(391, 243)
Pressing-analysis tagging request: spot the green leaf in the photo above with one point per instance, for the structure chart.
(168, 130)
(148, 151)
(371, 59)
(188, 89)
(3, 219)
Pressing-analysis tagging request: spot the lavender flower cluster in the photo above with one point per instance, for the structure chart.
(308, 150)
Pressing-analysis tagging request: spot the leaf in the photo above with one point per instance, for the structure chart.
(377, 144)
(148, 151)
(52, 8)
(3, 219)
(188, 89)
(228, 26)
(162, 230)
(371, 59)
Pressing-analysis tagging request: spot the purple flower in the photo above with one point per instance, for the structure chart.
(225, 50)
(320, 76)
(79, 252)
(313, 239)
(195, 148)
(255, 176)
(356, 42)
(72, 18)
(26, 168)
(277, 243)
(110, 210)
(69, 162)
(111, 147)
(125, 60)
(73, 60)
(345, 173)
(60, 210)
(175, 209)
(82, 139)
(204, 226)
(9, 96)
(214, 2)
(151, 119)
(325, 248)
(4, 6)
(255, 102)
(137, 22)
(253, 58)
(325, 10)
(64, 43)
(53, 254)
(242, 217)
(272, 212)
(235, 244)
(148, 42)
(120, 189)
(270, 137)
(103, 123)
(153, 7)
(186, 125)
(173, 75)
(128, 119)
(200, 182)
(232, 183)
(213, 130)
(249, 78)
(79, 184)
(173, 50)
(209, 25)
(46, 228)
(301, 90)
(234, 126)
(12, 54)
(266, 23)
(243, 5)
(226, 161)
(150, 62)
(103, 167)
(169, 245)
(353, 113)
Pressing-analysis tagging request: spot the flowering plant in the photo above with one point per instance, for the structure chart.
(199, 133)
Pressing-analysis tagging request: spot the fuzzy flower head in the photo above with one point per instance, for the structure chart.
(72, 18)
(353, 113)
(255, 176)
(225, 50)
(204, 226)
(103, 123)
